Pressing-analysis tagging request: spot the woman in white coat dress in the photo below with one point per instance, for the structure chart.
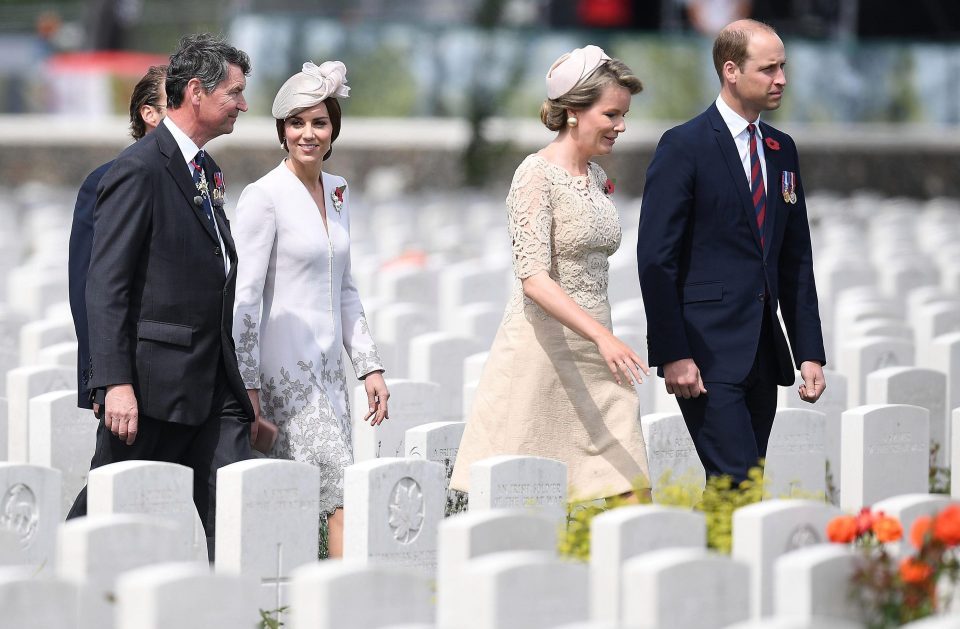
(297, 307)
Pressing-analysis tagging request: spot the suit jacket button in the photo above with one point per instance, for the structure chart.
(761, 297)
(216, 251)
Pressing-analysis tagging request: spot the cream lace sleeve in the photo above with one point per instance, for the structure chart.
(530, 217)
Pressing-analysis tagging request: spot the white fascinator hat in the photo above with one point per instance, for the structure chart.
(311, 86)
(573, 67)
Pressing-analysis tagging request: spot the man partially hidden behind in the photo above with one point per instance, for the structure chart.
(161, 284)
(723, 242)
(148, 103)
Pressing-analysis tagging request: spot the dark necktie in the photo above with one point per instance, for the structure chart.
(756, 182)
(200, 181)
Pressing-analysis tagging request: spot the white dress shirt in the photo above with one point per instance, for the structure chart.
(189, 150)
(738, 129)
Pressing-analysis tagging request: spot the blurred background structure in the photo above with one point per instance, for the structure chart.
(873, 94)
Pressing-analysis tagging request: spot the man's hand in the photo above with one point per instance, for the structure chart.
(121, 415)
(813, 383)
(682, 378)
(254, 395)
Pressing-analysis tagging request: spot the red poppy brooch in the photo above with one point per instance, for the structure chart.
(608, 187)
(772, 144)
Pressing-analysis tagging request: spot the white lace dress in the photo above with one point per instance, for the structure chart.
(296, 310)
(546, 391)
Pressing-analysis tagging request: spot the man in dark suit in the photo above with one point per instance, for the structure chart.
(147, 106)
(724, 241)
(161, 284)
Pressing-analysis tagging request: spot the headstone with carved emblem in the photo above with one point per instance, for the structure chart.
(335, 595)
(64, 438)
(24, 383)
(859, 357)
(436, 441)
(671, 456)
(886, 453)
(533, 483)
(30, 508)
(268, 523)
(392, 508)
(926, 388)
(764, 531)
(796, 461)
(685, 588)
(411, 404)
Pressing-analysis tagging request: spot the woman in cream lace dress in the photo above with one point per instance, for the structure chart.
(558, 383)
(297, 308)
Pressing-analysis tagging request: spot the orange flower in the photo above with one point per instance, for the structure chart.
(842, 529)
(919, 530)
(864, 521)
(912, 570)
(946, 526)
(887, 529)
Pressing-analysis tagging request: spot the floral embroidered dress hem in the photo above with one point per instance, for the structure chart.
(297, 309)
(546, 391)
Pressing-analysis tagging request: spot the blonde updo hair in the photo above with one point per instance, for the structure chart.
(553, 111)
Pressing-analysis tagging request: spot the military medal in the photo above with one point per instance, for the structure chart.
(788, 184)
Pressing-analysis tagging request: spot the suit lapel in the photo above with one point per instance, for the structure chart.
(728, 148)
(177, 168)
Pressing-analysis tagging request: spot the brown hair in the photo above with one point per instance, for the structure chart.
(553, 111)
(731, 44)
(146, 92)
(335, 113)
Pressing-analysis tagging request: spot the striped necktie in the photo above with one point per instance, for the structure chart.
(756, 182)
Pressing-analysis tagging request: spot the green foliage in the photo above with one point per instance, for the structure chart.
(271, 619)
(323, 550)
(939, 474)
(574, 543)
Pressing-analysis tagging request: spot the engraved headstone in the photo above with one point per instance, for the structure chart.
(658, 585)
(860, 357)
(24, 383)
(536, 484)
(926, 388)
(885, 453)
(435, 441)
(795, 462)
(619, 534)
(64, 438)
(671, 455)
(335, 595)
(764, 531)
(438, 357)
(411, 404)
(30, 508)
(268, 519)
(185, 596)
(391, 511)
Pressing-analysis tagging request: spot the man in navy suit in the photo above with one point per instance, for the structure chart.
(160, 288)
(723, 242)
(147, 106)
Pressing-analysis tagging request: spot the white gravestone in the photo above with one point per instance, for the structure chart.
(533, 590)
(268, 523)
(860, 357)
(466, 536)
(436, 441)
(815, 581)
(684, 588)
(93, 551)
(36, 335)
(935, 320)
(670, 450)
(438, 357)
(832, 403)
(625, 532)
(30, 507)
(795, 454)
(149, 488)
(478, 321)
(945, 356)
(472, 370)
(955, 453)
(397, 323)
(764, 531)
(467, 282)
(907, 508)
(797, 622)
(24, 383)
(411, 404)
(392, 508)
(4, 427)
(184, 596)
(335, 595)
(64, 438)
(408, 283)
(61, 354)
(885, 453)
(534, 483)
(917, 386)
(27, 601)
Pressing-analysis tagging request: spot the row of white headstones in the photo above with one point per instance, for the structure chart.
(432, 324)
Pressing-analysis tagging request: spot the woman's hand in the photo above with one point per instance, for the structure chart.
(620, 358)
(377, 396)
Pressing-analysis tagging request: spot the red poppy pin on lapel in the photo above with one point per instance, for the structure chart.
(772, 144)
